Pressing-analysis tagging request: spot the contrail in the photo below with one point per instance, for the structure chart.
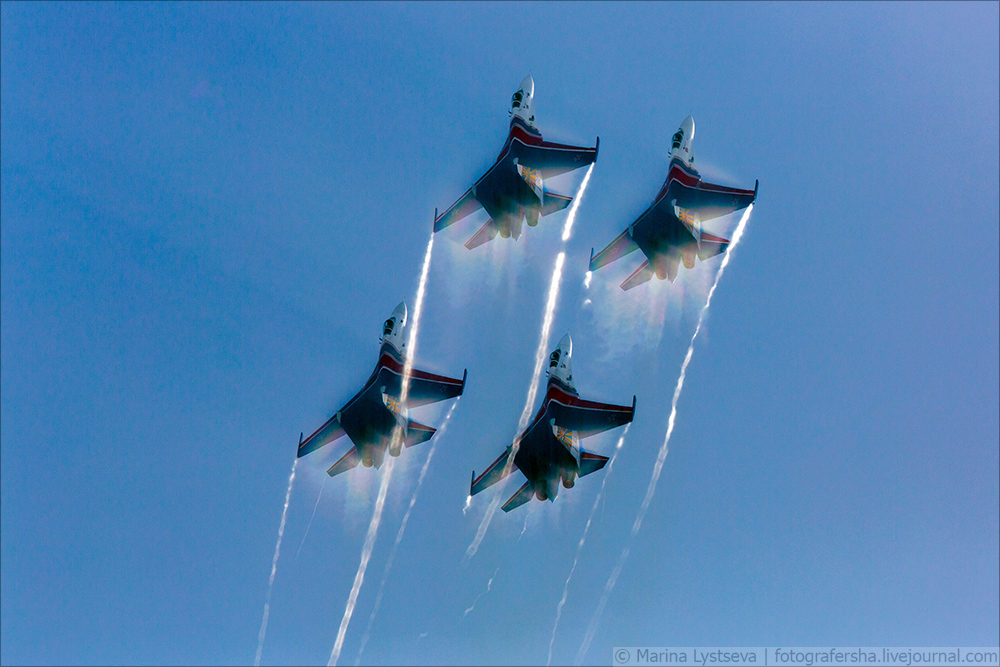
(274, 566)
(489, 585)
(366, 551)
(540, 354)
(662, 456)
(583, 538)
(402, 529)
(312, 516)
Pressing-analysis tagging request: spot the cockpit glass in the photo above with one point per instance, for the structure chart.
(387, 327)
(515, 101)
(553, 359)
(677, 138)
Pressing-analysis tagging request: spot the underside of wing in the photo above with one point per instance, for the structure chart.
(588, 418)
(492, 475)
(466, 205)
(551, 159)
(428, 388)
(713, 201)
(323, 436)
(621, 246)
(522, 496)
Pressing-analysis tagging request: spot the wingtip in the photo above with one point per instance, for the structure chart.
(597, 149)
(756, 184)
(465, 374)
(472, 481)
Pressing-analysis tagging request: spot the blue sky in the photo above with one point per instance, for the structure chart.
(208, 210)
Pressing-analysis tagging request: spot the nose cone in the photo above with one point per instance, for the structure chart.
(400, 312)
(566, 346)
(528, 86)
(687, 126)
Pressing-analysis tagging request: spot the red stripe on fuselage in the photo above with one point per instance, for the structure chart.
(387, 361)
(556, 393)
(692, 179)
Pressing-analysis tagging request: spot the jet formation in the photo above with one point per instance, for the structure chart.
(548, 452)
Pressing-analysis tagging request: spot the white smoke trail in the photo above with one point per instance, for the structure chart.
(366, 551)
(417, 307)
(540, 354)
(489, 585)
(583, 538)
(311, 517)
(527, 515)
(274, 566)
(366, 554)
(402, 529)
(664, 448)
(571, 218)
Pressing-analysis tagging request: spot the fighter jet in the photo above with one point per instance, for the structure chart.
(513, 189)
(376, 412)
(549, 450)
(671, 228)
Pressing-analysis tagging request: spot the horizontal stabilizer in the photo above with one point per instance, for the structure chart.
(638, 277)
(347, 462)
(553, 203)
(711, 246)
(522, 496)
(484, 235)
(417, 433)
(591, 463)
(617, 249)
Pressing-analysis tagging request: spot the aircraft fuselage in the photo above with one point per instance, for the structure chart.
(366, 419)
(660, 234)
(545, 459)
(505, 195)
